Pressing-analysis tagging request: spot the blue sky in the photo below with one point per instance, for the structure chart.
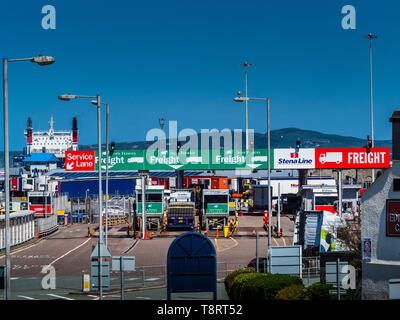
(181, 60)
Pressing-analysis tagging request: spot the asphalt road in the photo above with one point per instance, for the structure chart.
(68, 251)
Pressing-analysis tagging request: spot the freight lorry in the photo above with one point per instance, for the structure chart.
(181, 209)
(215, 209)
(258, 198)
(316, 231)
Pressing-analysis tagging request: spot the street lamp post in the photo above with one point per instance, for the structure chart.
(40, 60)
(241, 99)
(245, 65)
(107, 164)
(370, 36)
(67, 97)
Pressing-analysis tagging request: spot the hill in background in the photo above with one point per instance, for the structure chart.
(282, 138)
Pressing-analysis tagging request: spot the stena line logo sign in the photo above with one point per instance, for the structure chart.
(290, 159)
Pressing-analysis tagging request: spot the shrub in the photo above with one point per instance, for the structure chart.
(293, 292)
(320, 291)
(260, 286)
(231, 276)
(239, 282)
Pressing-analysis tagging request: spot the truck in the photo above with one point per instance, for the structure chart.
(319, 198)
(40, 202)
(154, 202)
(258, 198)
(316, 232)
(215, 208)
(181, 209)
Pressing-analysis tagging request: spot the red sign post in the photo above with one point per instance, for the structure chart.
(82, 160)
(352, 158)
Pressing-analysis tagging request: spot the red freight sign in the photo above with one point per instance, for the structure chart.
(82, 160)
(351, 158)
(393, 218)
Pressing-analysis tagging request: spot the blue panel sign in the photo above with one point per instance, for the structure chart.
(192, 265)
(366, 249)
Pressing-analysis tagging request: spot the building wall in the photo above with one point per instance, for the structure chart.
(77, 189)
(385, 255)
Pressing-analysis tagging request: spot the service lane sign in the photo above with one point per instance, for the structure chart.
(352, 158)
(303, 158)
(82, 160)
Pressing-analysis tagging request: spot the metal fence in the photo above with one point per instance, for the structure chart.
(151, 276)
(22, 228)
(47, 225)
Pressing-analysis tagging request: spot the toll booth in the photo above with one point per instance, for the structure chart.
(100, 251)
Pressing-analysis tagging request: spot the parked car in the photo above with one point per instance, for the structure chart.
(262, 264)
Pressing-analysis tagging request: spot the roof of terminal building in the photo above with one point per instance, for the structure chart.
(260, 174)
(41, 157)
(117, 174)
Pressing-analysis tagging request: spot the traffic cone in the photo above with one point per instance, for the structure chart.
(206, 233)
(151, 235)
(216, 235)
(145, 235)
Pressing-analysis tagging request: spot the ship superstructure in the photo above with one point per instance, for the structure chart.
(51, 141)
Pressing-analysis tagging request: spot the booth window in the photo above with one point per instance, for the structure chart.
(396, 184)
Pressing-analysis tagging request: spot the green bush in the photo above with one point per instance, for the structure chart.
(231, 276)
(239, 282)
(293, 292)
(320, 291)
(260, 286)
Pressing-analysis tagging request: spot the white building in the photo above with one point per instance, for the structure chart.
(380, 219)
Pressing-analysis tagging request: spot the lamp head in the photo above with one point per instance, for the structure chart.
(67, 97)
(43, 60)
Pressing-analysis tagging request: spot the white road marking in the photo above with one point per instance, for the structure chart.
(67, 253)
(29, 298)
(57, 296)
(147, 298)
(152, 279)
(15, 278)
(131, 279)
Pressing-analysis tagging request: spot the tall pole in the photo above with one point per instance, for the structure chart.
(245, 65)
(107, 160)
(144, 207)
(6, 182)
(100, 197)
(279, 208)
(269, 190)
(340, 187)
(247, 119)
(370, 36)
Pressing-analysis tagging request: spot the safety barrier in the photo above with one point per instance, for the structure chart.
(47, 225)
(115, 219)
(22, 227)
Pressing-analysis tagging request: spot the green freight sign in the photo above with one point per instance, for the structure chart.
(186, 160)
(151, 208)
(217, 208)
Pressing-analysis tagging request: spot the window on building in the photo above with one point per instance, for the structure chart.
(396, 184)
